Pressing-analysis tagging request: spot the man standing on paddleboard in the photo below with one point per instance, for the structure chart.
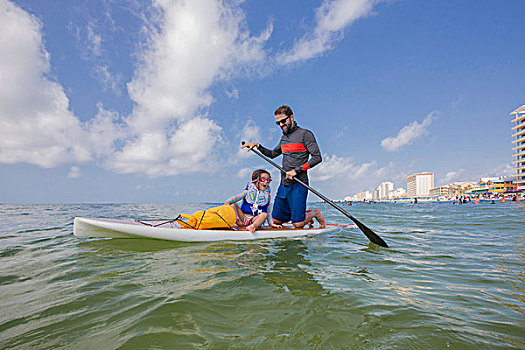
(300, 153)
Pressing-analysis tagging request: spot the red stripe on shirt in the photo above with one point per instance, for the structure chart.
(293, 147)
(305, 166)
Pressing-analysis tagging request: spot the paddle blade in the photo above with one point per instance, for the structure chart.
(370, 234)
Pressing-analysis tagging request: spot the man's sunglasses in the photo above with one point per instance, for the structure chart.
(282, 121)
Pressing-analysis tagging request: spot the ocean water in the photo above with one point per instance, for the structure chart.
(453, 277)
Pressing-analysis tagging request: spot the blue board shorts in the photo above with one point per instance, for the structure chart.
(290, 203)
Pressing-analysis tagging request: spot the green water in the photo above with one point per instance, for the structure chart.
(453, 277)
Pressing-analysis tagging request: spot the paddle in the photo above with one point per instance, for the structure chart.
(368, 232)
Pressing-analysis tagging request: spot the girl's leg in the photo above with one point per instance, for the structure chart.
(257, 222)
(239, 215)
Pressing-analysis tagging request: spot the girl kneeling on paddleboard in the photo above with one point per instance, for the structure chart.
(255, 207)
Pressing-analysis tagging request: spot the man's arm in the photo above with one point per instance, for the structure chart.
(271, 153)
(315, 154)
(268, 153)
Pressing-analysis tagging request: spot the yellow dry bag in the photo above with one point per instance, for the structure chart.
(213, 218)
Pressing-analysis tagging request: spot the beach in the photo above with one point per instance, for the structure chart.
(452, 278)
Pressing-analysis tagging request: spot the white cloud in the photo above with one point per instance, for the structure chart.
(89, 41)
(233, 93)
(94, 40)
(341, 133)
(74, 173)
(90, 46)
(452, 176)
(250, 132)
(199, 42)
(36, 125)
(107, 80)
(196, 44)
(191, 148)
(245, 173)
(408, 134)
(506, 169)
(385, 171)
(104, 130)
(332, 17)
(339, 167)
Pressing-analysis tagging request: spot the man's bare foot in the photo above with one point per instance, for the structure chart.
(322, 221)
(251, 228)
(320, 218)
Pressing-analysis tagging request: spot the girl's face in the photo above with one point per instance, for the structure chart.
(264, 181)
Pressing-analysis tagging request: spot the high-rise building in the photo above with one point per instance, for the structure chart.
(519, 148)
(364, 196)
(420, 184)
(384, 190)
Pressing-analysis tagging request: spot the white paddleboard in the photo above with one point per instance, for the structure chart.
(109, 228)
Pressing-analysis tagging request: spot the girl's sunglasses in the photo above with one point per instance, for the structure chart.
(262, 179)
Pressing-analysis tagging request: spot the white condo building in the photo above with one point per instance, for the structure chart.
(364, 196)
(519, 148)
(384, 190)
(420, 184)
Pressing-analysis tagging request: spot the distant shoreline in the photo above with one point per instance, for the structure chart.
(519, 198)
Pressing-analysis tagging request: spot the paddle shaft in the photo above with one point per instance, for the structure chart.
(373, 237)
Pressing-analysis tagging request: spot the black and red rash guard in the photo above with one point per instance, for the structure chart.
(296, 146)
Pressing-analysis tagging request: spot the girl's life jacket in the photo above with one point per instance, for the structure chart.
(255, 201)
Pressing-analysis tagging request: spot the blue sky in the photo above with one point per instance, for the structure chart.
(138, 101)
